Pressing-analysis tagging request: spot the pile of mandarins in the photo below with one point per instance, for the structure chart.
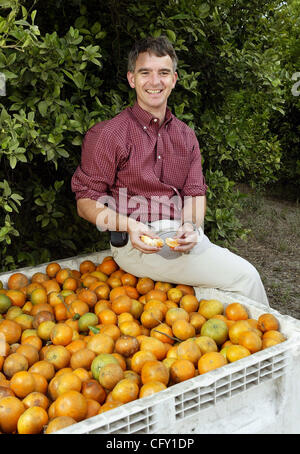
(77, 343)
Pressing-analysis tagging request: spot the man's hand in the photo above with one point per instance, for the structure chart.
(135, 234)
(187, 238)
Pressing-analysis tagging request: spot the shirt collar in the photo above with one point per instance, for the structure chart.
(146, 118)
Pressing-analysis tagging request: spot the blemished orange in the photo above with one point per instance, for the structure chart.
(156, 304)
(58, 355)
(36, 399)
(155, 371)
(129, 279)
(190, 350)
(17, 297)
(181, 370)
(10, 331)
(87, 266)
(125, 391)
(151, 318)
(150, 388)
(174, 294)
(39, 277)
(210, 361)
(176, 313)
(61, 334)
(155, 346)
(197, 320)
(82, 358)
(73, 404)
(267, 322)
(11, 409)
(17, 280)
(58, 423)
(186, 289)
(275, 335)
(91, 389)
(88, 296)
(144, 285)
(236, 311)
(163, 332)
(43, 368)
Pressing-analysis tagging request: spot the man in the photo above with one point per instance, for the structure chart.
(145, 157)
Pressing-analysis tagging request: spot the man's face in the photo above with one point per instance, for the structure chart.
(153, 80)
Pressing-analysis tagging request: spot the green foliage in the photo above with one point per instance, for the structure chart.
(65, 67)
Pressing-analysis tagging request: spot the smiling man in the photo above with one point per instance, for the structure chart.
(141, 174)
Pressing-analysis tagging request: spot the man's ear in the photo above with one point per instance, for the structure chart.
(130, 78)
(175, 79)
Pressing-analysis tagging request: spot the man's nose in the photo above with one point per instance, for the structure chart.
(155, 79)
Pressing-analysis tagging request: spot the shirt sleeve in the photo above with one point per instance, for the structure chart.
(96, 172)
(194, 184)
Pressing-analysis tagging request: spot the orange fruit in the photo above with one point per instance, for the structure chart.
(10, 331)
(22, 383)
(236, 352)
(176, 313)
(11, 409)
(101, 343)
(129, 279)
(16, 281)
(251, 341)
(216, 329)
(267, 322)
(209, 308)
(275, 335)
(210, 361)
(82, 358)
(30, 352)
(58, 423)
(181, 370)
(155, 371)
(190, 350)
(121, 304)
(126, 390)
(110, 375)
(150, 388)
(52, 269)
(236, 311)
(140, 358)
(61, 334)
(91, 389)
(108, 267)
(36, 399)
(236, 329)
(58, 355)
(87, 266)
(189, 303)
(197, 320)
(174, 294)
(144, 285)
(43, 368)
(38, 296)
(155, 346)
(163, 332)
(183, 330)
(73, 404)
(17, 297)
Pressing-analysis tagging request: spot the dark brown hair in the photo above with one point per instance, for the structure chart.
(160, 47)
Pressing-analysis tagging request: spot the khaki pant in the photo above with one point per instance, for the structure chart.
(207, 265)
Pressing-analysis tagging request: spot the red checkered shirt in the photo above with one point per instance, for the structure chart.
(140, 165)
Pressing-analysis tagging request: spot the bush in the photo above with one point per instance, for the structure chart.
(65, 68)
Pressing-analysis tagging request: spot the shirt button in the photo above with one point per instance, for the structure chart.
(159, 157)
(155, 120)
(145, 127)
(158, 134)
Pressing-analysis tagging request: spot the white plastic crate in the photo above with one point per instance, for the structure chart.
(257, 394)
